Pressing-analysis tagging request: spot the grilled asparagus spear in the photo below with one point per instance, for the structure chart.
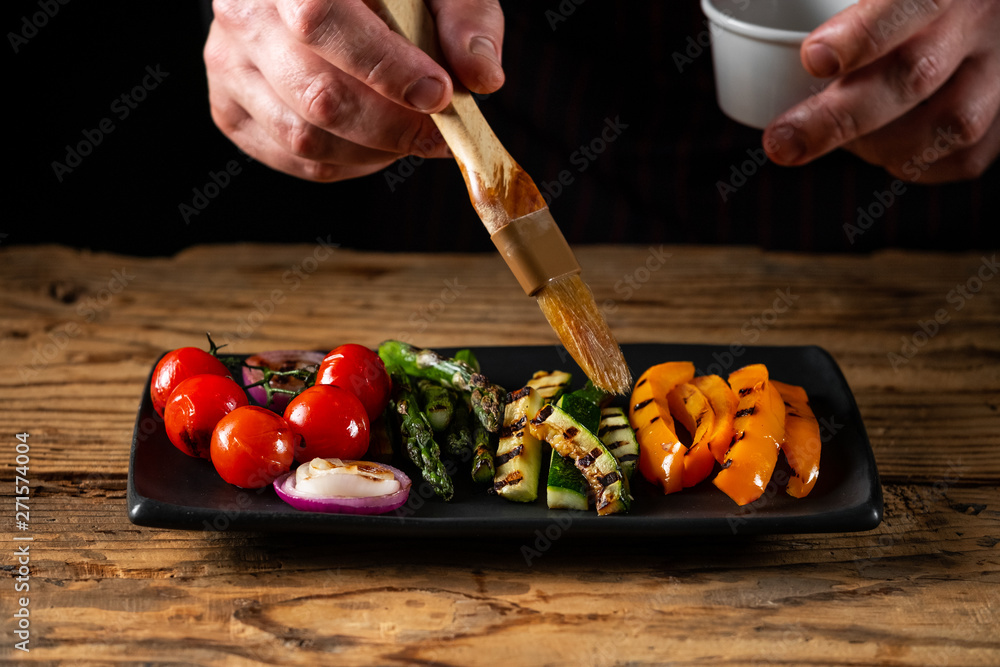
(417, 435)
(483, 450)
(459, 435)
(469, 357)
(487, 398)
(436, 402)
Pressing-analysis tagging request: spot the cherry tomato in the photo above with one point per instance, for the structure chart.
(361, 372)
(178, 365)
(331, 422)
(251, 446)
(194, 408)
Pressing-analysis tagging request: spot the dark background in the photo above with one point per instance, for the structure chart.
(658, 182)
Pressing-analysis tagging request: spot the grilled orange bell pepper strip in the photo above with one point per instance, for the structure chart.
(802, 441)
(760, 429)
(690, 407)
(724, 403)
(661, 454)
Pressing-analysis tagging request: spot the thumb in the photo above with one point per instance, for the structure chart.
(471, 36)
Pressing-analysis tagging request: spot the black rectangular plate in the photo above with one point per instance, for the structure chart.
(169, 489)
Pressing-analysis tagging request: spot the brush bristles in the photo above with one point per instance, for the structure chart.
(569, 306)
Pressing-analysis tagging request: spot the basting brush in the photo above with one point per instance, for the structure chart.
(518, 219)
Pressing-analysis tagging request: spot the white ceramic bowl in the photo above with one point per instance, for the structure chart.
(755, 51)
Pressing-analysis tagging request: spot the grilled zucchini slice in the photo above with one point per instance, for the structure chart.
(519, 453)
(601, 470)
(566, 488)
(550, 385)
(617, 435)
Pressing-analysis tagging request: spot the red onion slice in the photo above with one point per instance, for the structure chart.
(285, 488)
(278, 360)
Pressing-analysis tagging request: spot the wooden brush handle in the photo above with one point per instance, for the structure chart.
(500, 190)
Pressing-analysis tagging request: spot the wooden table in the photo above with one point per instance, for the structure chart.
(917, 335)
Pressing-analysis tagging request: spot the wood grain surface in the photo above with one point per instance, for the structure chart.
(917, 336)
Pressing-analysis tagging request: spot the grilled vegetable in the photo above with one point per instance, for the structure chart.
(519, 452)
(469, 357)
(350, 474)
(566, 487)
(760, 430)
(802, 441)
(582, 409)
(724, 403)
(691, 408)
(661, 454)
(483, 451)
(550, 384)
(568, 437)
(459, 435)
(486, 397)
(617, 435)
(437, 404)
(591, 392)
(417, 435)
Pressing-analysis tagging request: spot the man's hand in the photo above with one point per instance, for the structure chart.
(918, 89)
(324, 90)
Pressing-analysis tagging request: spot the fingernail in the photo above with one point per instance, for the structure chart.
(823, 60)
(425, 94)
(784, 144)
(481, 46)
